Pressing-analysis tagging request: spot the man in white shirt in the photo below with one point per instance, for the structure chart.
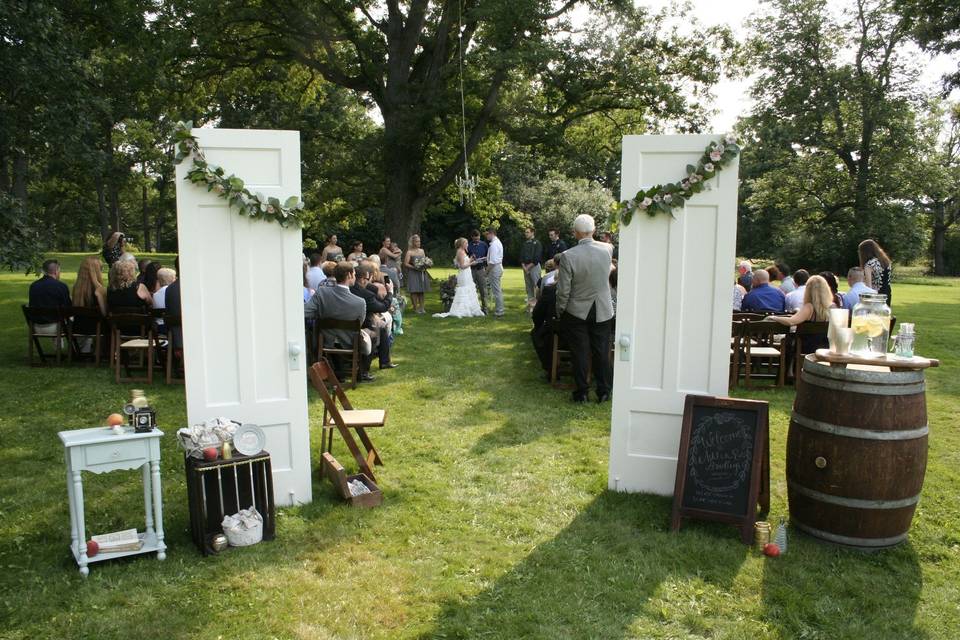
(794, 299)
(495, 269)
(315, 273)
(857, 286)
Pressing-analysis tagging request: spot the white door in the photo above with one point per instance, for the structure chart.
(674, 302)
(242, 298)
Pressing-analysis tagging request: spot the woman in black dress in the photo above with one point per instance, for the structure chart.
(877, 267)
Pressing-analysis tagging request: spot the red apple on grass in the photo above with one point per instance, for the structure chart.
(771, 550)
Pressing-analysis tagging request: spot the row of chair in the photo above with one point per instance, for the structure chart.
(129, 330)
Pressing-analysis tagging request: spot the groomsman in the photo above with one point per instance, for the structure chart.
(556, 245)
(530, 255)
(477, 249)
(585, 308)
(495, 269)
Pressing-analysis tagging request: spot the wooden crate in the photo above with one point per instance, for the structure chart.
(338, 476)
(222, 487)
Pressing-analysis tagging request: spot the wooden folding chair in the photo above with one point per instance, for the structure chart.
(805, 329)
(736, 351)
(37, 316)
(132, 332)
(343, 420)
(758, 343)
(322, 350)
(69, 317)
(172, 324)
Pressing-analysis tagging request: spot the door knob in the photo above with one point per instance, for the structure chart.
(294, 349)
(821, 462)
(625, 341)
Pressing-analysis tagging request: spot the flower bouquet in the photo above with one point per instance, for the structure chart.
(422, 262)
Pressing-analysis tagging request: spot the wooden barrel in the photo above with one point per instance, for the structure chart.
(856, 454)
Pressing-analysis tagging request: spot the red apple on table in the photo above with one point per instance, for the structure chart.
(210, 454)
(93, 548)
(114, 419)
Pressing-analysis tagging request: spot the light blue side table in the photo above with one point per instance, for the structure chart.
(100, 450)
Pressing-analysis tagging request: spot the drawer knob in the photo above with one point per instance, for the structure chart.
(821, 462)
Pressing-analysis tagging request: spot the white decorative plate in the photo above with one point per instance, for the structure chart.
(249, 439)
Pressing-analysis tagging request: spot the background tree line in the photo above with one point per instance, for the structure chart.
(840, 144)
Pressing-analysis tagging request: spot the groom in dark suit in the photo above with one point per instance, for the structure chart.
(338, 303)
(585, 308)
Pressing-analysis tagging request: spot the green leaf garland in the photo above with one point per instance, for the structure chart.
(664, 198)
(230, 187)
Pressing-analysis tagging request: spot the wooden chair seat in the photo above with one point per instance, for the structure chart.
(136, 343)
(764, 352)
(344, 418)
(361, 418)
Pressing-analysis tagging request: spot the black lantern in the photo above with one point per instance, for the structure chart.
(144, 420)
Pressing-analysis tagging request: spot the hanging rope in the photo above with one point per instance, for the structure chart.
(465, 184)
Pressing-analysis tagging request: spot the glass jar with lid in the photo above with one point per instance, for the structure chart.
(870, 322)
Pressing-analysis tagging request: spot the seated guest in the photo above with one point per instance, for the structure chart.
(338, 303)
(613, 290)
(745, 274)
(171, 298)
(738, 293)
(763, 297)
(834, 287)
(787, 283)
(328, 269)
(89, 293)
(124, 290)
(817, 300)
(545, 325)
(48, 293)
(775, 276)
(165, 277)
(794, 299)
(855, 279)
(378, 306)
(315, 273)
(142, 265)
(150, 280)
(308, 291)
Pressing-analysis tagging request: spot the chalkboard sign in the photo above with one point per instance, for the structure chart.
(723, 468)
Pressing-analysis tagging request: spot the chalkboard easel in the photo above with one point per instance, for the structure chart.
(723, 466)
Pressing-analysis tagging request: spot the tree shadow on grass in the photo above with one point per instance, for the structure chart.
(597, 576)
(854, 594)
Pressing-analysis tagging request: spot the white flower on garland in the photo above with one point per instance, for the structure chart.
(730, 138)
(708, 167)
(694, 179)
(646, 202)
(668, 198)
(716, 155)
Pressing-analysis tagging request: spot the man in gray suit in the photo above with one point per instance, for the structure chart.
(585, 308)
(338, 303)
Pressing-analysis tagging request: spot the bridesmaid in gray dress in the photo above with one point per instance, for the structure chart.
(415, 263)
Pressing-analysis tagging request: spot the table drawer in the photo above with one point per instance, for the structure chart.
(110, 453)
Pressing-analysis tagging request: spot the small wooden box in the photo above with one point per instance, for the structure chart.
(338, 476)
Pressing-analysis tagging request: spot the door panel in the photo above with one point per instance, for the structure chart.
(674, 305)
(242, 302)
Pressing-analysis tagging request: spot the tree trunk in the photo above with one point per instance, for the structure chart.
(403, 162)
(20, 167)
(144, 210)
(4, 173)
(939, 239)
(103, 214)
(160, 218)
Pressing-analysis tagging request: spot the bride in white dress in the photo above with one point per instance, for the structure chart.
(466, 304)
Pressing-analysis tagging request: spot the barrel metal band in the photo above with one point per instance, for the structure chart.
(860, 387)
(854, 503)
(850, 541)
(862, 434)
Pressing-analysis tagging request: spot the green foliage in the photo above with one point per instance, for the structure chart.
(554, 200)
(21, 244)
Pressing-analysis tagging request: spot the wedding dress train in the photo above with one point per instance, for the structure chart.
(466, 304)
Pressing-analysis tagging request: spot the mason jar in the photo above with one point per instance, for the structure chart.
(870, 322)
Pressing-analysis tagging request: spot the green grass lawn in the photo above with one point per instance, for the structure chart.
(496, 521)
